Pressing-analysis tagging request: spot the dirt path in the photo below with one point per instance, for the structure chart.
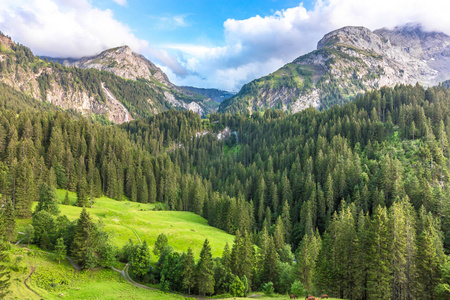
(25, 281)
(74, 265)
(127, 277)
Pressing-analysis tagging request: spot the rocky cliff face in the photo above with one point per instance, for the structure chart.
(123, 62)
(349, 61)
(136, 89)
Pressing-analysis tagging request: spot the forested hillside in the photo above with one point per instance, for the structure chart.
(352, 201)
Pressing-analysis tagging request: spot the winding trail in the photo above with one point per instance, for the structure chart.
(25, 281)
(127, 277)
(74, 265)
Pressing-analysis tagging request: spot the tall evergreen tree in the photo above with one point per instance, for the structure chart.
(83, 237)
(205, 272)
(60, 249)
(47, 199)
(189, 271)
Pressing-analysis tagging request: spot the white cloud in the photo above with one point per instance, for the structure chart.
(251, 48)
(121, 2)
(65, 28)
(259, 45)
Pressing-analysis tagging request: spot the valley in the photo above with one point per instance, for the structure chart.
(329, 176)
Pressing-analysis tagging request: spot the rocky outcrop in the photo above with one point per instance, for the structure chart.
(349, 61)
(123, 62)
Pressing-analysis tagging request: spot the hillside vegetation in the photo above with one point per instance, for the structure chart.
(352, 201)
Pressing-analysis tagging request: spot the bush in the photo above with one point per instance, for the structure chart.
(298, 289)
(268, 289)
(237, 288)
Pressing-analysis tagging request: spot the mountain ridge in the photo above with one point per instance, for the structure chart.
(349, 61)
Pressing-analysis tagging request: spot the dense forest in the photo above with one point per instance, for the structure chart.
(352, 201)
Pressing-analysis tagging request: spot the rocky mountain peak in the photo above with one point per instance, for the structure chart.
(123, 62)
(349, 61)
(354, 36)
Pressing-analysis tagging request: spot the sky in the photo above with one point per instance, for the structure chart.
(204, 43)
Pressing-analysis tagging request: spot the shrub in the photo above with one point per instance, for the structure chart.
(298, 289)
(268, 289)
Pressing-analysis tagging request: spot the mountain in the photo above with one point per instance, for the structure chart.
(349, 61)
(117, 85)
(214, 94)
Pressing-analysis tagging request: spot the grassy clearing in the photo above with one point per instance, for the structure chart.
(59, 281)
(55, 281)
(125, 220)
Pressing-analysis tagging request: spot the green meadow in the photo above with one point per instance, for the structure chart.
(125, 220)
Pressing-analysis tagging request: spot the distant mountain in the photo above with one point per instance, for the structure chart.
(123, 62)
(214, 94)
(349, 61)
(116, 85)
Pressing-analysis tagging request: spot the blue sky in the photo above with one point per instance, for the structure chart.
(164, 22)
(221, 44)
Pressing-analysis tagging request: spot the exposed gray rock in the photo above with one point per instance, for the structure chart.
(349, 61)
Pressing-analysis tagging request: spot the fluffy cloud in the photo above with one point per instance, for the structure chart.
(260, 45)
(252, 48)
(65, 28)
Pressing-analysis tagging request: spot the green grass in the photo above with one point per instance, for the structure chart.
(125, 219)
(50, 280)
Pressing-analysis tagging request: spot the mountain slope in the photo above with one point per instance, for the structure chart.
(349, 61)
(123, 62)
(117, 85)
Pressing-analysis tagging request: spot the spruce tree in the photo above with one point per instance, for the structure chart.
(82, 238)
(189, 271)
(160, 243)
(66, 198)
(140, 260)
(60, 249)
(8, 221)
(379, 285)
(82, 193)
(429, 254)
(5, 272)
(205, 271)
(47, 199)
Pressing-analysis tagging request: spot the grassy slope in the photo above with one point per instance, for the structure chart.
(50, 280)
(58, 281)
(125, 220)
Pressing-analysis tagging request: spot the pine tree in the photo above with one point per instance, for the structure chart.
(66, 198)
(152, 188)
(140, 260)
(205, 271)
(160, 244)
(380, 269)
(287, 224)
(270, 263)
(429, 254)
(25, 191)
(143, 191)
(47, 199)
(8, 221)
(82, 238)
(189, 271)
(60, 249)
(5, 272)
(82, 193)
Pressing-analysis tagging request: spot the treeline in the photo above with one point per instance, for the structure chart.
(384, 145)
(394, 254)
(53, 147)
